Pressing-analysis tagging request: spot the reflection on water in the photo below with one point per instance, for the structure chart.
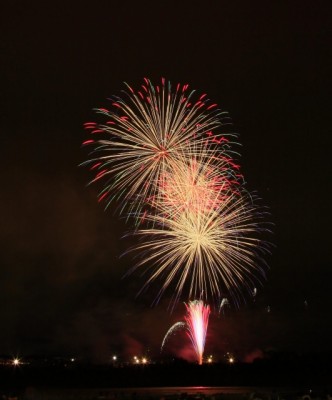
(179, 393)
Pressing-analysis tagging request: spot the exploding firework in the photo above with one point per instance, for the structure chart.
(196, 323)
(194, 185)
(146, 133)
(160, 153)
(208, 252)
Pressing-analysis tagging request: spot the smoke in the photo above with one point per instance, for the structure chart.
(253, 355)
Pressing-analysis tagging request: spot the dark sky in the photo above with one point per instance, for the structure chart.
(267, 63)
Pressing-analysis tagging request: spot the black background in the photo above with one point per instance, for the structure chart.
(267, 63)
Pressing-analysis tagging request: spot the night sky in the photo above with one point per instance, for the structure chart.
(61, 275)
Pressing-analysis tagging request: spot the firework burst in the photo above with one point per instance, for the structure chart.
(160, 154)
(146, 133)
(194, 185)
(207, 251)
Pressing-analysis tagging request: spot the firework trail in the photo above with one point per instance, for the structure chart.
(172, 329)
(197, 320)
(196, 323)
(146, 133)
(223, 303)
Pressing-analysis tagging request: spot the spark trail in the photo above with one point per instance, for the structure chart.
(172, 330)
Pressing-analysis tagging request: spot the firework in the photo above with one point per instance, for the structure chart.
(196, 323)
(159, 153)
(146, 133)
(224, 302)
(171, 331)
(208, 251)
(194, 185)
(197, 320)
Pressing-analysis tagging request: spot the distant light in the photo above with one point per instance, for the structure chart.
(137, 360)
(231, 360)
(16, 361)
(144, 360)
(210, 359)
(72, 359)
(114, 358)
